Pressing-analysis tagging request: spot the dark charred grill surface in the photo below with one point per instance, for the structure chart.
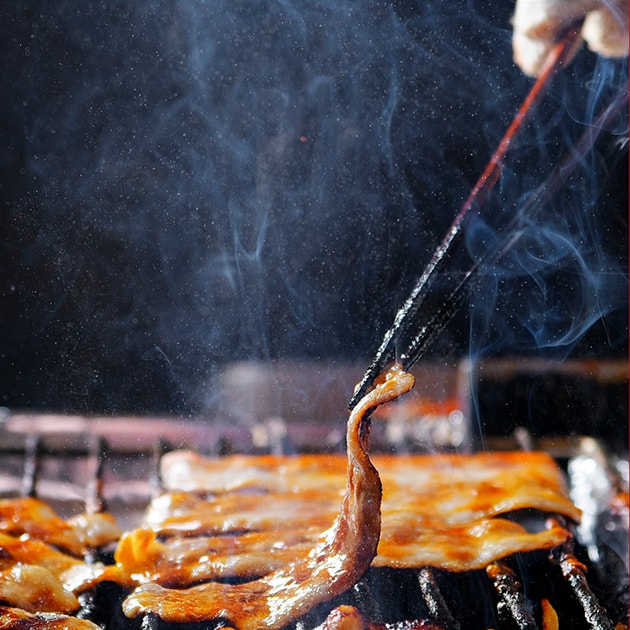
(509, 599)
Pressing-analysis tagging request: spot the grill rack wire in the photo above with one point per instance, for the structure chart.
(506, 584)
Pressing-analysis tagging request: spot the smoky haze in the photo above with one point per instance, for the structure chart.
(187, 184)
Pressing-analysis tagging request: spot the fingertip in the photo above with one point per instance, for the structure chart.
(606, 33)
(529, 54)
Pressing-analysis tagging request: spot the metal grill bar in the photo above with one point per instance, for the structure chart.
(155, 476)
(434, 600)
(94, 500)
(512, 603)
(366, 601)
(574, 573)
(31, 465)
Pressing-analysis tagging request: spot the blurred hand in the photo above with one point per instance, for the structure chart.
(539, 23)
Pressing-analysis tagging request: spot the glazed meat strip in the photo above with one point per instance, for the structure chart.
(40, 571)
(339, 558)
(249, 510)
(183, 561)
(37, 577)
(441, 511)
(16, 619)
(41, 565)
(437, 510)
(35, 589)
(27, 515)
(467, 486)
(27, 550)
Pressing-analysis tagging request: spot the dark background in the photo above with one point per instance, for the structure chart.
(185, 184)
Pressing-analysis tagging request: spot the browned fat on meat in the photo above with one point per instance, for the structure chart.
(41, 565)
(247, 516)
(37, 577)
(16, 619)
(83, 532)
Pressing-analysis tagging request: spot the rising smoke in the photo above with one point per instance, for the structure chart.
(190, 183)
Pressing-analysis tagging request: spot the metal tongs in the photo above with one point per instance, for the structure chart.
(417, 325)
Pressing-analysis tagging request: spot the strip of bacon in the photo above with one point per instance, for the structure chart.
(35, 589)
(15, 619)
(437, 510)
(341, 556)
(408, 540)
(27, 515)
(30, 551)
(72, 574)
(184, 561)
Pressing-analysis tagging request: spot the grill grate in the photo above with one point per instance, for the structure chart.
(507, 596)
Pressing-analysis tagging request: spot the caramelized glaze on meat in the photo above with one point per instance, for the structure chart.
(33, 571)
(15, 619)
(437, 510)
(35, 589)
(430, 517)
(27, 515)
(273, 526)
(338, 559)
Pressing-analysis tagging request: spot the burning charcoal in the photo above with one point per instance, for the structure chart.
(612, 537)
(152, 622)
(591, 490)
(349, 618)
